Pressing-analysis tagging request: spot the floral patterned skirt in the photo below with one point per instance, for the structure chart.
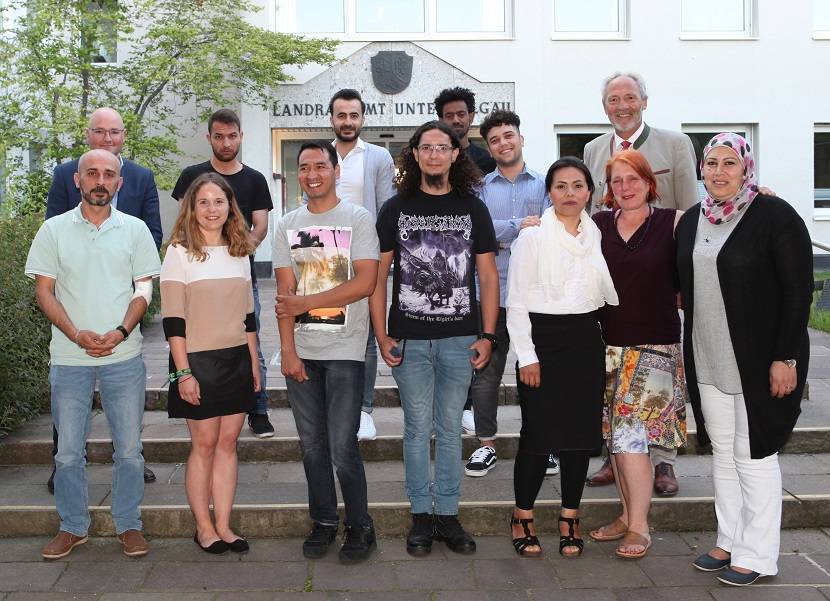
(645, 398)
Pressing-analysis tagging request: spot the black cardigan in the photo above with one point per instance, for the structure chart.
(766, 279)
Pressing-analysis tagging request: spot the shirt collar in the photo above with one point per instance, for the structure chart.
(632, 138)
(361, 146)
(497, 173)
(116, 217)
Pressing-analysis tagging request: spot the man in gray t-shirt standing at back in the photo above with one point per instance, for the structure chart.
(326, 261)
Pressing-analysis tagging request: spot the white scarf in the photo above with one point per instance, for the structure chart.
(553, 239)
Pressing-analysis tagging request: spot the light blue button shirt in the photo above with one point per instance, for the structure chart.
(509, 203)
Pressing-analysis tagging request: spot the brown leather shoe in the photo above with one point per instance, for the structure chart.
(135, 545)
(62, 545)
(665, 483)
(603, 476)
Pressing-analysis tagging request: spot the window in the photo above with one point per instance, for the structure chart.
(590, 19)
(701, 134)
(397, 19)
(571, 139)
(100, 33)
(821, 166)
(717, 19)
(821, 19)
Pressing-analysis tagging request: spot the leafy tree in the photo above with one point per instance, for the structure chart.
(177, 60)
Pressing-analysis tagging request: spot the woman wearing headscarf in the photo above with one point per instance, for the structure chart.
(746, 278)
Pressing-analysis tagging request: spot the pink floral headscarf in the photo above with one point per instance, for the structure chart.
(722, 211)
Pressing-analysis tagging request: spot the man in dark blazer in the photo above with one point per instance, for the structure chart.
(138, 195)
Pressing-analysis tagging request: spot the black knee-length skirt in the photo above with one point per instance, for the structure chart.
(565, 412)
(226, 384)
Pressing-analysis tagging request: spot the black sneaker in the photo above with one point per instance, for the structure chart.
(448, 529)
(149, 476)
(481, 461)
(318, 541)
(419, 539)
(260, 425)
(358, 544)
(553, 467)
(50, 483)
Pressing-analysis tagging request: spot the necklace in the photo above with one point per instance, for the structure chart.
(627, 243)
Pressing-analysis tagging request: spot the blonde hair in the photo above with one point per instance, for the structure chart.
(235, 231)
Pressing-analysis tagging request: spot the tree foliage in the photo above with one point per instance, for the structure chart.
(177, 61)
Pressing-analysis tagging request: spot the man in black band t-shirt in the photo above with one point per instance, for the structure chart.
(439, 235)
(457, 108)
(254, 199)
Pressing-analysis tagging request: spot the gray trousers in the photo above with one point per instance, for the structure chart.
(487, 382)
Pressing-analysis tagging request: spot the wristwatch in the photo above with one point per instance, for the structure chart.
(123, 331)
(790, 363)
(494, 341)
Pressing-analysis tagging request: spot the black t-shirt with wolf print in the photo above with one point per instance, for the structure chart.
(435, 239)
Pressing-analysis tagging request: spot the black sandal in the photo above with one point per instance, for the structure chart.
(570, 540)
(528, 540)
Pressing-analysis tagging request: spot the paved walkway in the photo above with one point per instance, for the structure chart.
(274, 570)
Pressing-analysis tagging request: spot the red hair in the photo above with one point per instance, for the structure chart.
(638, 162)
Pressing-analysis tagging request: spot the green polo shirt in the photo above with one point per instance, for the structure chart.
(94, 269)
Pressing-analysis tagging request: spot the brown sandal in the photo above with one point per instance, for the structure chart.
(613, 531)
(633, 538)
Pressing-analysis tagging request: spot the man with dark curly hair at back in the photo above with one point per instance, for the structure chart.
(439, 235)
(457, 108)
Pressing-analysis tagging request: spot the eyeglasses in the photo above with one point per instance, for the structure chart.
(103, 132)
(430, 148)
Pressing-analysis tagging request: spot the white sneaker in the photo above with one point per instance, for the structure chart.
(553, 466)
(367, 430)
(468, 422)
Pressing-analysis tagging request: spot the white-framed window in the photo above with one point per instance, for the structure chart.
(703, 132)
(590, 20)
(718, 19)
(411, 20)
(821, 20)
(571, 139)
(821, 167)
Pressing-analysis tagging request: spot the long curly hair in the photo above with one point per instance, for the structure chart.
(235, 232)
(464, 176)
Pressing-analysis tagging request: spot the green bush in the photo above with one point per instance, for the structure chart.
(24, 330)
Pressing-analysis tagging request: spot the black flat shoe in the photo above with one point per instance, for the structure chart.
(240, 545)
(215, 548)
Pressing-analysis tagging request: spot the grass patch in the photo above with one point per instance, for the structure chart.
(819, 319)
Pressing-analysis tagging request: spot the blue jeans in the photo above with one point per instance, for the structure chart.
(433, 380)
(326, 410)
(371, 371)
(262, 396)
(122, 397)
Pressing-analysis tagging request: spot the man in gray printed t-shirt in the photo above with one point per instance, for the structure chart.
(326, 261)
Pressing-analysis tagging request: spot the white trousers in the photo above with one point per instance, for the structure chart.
(747, 491)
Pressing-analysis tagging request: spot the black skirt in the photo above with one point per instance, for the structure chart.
(565, 412)
(226, 384)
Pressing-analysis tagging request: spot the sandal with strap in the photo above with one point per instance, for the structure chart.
(630, 539)
(570, 540)
(613, 531)
(521, 543)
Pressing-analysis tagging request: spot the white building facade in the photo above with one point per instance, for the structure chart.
(758, 67)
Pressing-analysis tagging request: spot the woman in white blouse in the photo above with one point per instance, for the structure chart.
(556, 282)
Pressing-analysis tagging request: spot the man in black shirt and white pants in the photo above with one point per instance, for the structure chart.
(439, 235)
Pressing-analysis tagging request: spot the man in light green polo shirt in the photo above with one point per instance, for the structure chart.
(93, 268)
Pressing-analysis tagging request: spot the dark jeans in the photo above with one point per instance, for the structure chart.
(326, 410)
(484, 390)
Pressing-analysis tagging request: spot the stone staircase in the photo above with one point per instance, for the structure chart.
(271, 498)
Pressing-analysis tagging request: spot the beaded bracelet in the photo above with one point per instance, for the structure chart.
(173, 376)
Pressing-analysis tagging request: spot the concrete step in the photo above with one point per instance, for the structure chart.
(167, 440)
(271, 499)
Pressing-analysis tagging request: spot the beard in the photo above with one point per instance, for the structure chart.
(348, 136)
(434, 180)
(97, 202)
(225, 156)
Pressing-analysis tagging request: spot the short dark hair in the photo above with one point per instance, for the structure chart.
(453, 94)
(497, 118)
(569, 162)
(226, 116)
(319, 145)
(347, 94)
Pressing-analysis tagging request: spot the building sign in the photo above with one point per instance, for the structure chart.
(398, 81)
